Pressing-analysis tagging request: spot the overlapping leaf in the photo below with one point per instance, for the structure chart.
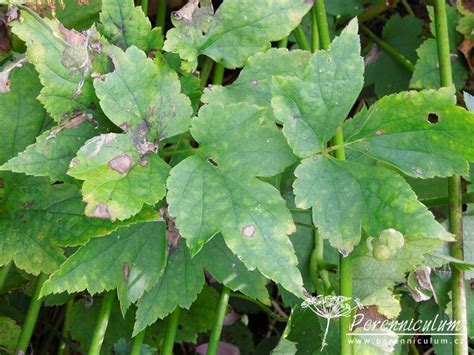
(426, 136)
(236, 31)
(143, 98)
(348, 196)
(312, 108)
(125, 25)
(65, 90)
(130, 260)
(118, 181)
(216, 191)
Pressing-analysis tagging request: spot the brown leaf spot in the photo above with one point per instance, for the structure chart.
(172, 233)
(369, 314)
(143, 162)
(432, 118)
(248, 231)
(465, 48)
(2, 184)
(121, 163)
(187, 11)
(101, 211)
(5, 74)
(126, 271)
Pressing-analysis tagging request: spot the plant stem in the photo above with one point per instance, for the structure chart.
(206, 71)
(301, 38)
(283, 43)
(467, 197)
(375, 10)
(65, 330)
(31, 317)
(137, 343)
(4, 274)
(145, 7)
(161, 14)
(170, 335)
(408, 8)
(314, 31)
(460, 345)
(264, 308)
(345, 263)
(218, 74)
(102, 322)
(389, 49)
(218, 322)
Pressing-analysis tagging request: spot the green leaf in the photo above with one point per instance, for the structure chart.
(236, 31)
(285, 347)
(387, 304)
(52, 152)
(253, 85)
(426, 74)
(179, 286)
(347, 196)
(143, 98)
(21, 116)
(381, 344)
(216, 191)
(47, 43)
(226, 268)
(371, 276)
(130, 260)
(426, 136)
(312, 108)
(9, 334)
(388, 75)
(78, 15)
(117, 180)
(125, 25)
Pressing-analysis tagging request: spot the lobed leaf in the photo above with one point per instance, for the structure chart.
(236, 31)
(130, 260)
(348, 196)
(312, 108)
(427, 135)
(118, 181)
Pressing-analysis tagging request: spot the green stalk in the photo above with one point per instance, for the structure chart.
(219, 322)
(375, 10)
(408, 8)
(206, 71)
(170, 335)
(389, 49)
(31, 317)
(345, 263)
(145, 7)
(62, 349)
(137, 343)
(314, 31)
(4, 274)
(161, 14)
(218, 74)
(102, 322)
(460, 345)
(283, 43)
(301, 38)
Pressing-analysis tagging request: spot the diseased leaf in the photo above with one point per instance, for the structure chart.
(117, 180)
(65, 90)
(130, 260)
(52, 152)
(179, 286)
(427, 135)
(143, 98)
(312, 108)
(226, 268)
(22, 117)
(125, 25)
(216, 191)
(347, 196)
(253, 85)
(236, 31)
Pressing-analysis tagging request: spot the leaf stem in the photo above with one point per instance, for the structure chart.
(283, 43)
(161, 15)
(62, 349)
(31, 316)
(218, 78)
(137, 343)
(206, 71)
(170, 335)
(408, 8)
(314, 30)
(4, 274)
(102, 322)
(145, 7)
(301, 38)
(460, 345)
(389, 49)
(264, 308)
(218, 322)
(375, 10)
(345, 263)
